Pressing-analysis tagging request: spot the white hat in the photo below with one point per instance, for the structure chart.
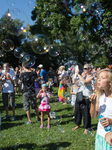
(40, 66)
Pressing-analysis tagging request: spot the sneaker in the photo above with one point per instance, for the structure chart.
(41, 126)
(6, 117)
(13, 118)
(39, 119)
(48, 127)
(28, 122)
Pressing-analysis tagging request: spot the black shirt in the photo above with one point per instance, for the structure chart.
(28, 79)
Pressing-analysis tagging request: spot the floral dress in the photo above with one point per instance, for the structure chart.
(44, 106)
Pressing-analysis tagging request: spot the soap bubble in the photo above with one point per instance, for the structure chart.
(10, 2)
(95, 8)
(82, 106)
(18, 21)
(23, 54)
(28, 61)
(75, 8)
(57, 120)
(1, 54)
(95, 49)
(68, 98)
(72, 66)
(7, 45)
(40, 44)
(91, 132)
(52, 114)
(54, 50)
(31, 4)
(18, 52)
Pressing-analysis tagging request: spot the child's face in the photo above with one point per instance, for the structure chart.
(44, 88)
(103, 81)
(5, 67)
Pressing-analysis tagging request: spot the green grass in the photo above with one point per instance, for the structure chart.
(16, 135)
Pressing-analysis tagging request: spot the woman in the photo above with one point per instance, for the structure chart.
(83, 108)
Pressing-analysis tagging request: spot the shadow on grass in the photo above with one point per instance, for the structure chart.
(32, 146)
(67, 108)
(94, 126)
(7, 125)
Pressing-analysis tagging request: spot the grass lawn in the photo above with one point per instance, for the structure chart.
(16, 135)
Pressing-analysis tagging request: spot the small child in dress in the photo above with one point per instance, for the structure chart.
(44, 95)
(73, 91)
(50, 85)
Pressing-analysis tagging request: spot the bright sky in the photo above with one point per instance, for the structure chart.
(20, 9)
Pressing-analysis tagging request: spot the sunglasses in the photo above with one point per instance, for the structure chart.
(85, 68)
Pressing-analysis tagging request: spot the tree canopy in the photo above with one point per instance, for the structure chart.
(82, 29)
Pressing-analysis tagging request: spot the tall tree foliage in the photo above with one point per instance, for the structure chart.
(80, 34)
(8, 28)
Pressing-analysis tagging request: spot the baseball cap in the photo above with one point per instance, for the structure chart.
(40, 66)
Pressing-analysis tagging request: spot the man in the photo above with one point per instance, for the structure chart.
(43, 73)
(28, 78)
(8, 77)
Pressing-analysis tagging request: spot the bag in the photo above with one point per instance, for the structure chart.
(79, 97)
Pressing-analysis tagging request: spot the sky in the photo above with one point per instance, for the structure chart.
(20, 9)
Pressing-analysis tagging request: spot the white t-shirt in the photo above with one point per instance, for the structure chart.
(105, 109)
(8, 87)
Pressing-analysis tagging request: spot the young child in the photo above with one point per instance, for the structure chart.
(73, 91)
(44, 95)
(50, 85)
(101, 103)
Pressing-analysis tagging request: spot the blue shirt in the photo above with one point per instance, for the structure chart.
(44, 74)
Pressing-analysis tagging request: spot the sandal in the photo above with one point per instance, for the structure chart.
(41, 126)
(48, 127)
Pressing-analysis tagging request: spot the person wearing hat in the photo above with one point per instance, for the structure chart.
(43, 73)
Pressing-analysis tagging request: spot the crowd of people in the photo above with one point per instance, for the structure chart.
(95, 85)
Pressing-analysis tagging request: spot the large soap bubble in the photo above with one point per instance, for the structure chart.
(10, 2)
(75, 8)
(28, 61)
(17, 21)
(31, 4)
(40, 44)
(95, 8)
(72, 66)
(54, 50)
(18, 52)
(7, 45)
(1, 54)
(95, 49)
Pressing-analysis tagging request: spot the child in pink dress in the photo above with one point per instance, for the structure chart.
(44, 95)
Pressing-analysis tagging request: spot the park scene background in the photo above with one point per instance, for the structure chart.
(62, 31)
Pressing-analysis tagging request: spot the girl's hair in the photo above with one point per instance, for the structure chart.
(62, 68)
(99, 92)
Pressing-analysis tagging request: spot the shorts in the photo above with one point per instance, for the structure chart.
(29, 98)
(11, 96)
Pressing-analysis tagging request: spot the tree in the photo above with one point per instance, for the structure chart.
(81, 32)
(10, 29)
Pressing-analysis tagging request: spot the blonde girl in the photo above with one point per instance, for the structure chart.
(101, 103)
